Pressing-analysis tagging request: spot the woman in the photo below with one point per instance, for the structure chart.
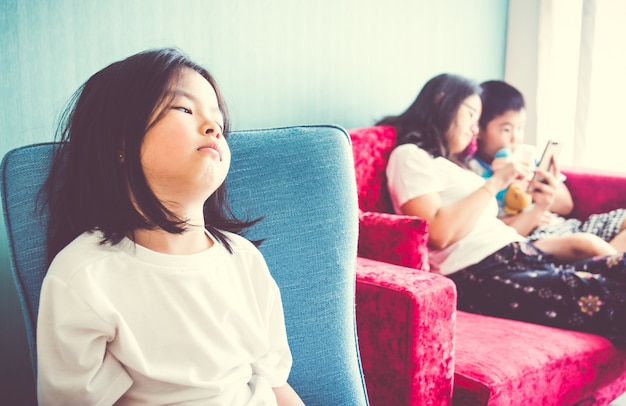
(496, 271)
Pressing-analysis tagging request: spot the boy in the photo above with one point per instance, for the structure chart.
(501, 125)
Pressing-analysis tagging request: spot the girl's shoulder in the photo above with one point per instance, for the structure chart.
(238, 240)
(411, 151)
(241, 245)
(85, 249)
(410, 156)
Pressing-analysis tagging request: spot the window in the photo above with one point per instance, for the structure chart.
(604, 132)
(568, 57)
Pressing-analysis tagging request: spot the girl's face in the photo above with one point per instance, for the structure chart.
(504, 131)
(464, 127)
(184, 155)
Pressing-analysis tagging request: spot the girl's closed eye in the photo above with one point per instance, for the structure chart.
(183, 109)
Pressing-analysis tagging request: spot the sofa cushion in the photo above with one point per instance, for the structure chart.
(506, 362)
(594, 191)
(395, 239)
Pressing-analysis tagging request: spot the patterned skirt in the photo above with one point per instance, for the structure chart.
(521, 282)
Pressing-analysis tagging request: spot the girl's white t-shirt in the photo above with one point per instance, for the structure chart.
(412, 172)
(126, 325)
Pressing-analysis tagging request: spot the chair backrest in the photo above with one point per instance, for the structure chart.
(371, 147)
(301, 180)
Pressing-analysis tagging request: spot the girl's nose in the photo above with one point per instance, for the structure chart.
(475, 129)
(213, 128)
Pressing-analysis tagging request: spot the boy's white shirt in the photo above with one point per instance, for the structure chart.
(126, 325)
(412, 172)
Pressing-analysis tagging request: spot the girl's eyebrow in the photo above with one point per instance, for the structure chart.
(180, 92)
(475, 110)
(194, 99)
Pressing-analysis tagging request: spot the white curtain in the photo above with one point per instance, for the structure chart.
(581, 81)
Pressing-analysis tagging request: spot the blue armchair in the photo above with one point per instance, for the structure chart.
(301, 180)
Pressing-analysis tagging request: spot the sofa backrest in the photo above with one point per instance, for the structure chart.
(371, 147)
(594, 190)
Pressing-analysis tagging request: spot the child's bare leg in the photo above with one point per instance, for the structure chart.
(575, 247)
(619, 241)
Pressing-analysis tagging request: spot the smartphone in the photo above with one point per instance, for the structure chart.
(551, 150)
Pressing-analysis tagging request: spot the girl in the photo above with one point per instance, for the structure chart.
(151, 296)
(495, 270)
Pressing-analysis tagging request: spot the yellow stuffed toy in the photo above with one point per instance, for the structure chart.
(516, 199)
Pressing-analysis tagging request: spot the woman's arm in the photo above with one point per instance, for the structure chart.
(286, 396)
(449, 223)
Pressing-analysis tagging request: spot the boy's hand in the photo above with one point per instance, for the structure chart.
(554, 168)
(544, 192)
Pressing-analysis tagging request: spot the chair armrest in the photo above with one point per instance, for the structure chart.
(406, 322)
(395, 239)
(595, 191)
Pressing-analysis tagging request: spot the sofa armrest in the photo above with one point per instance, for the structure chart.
(395, 239)
(595, 191)
(406, 321)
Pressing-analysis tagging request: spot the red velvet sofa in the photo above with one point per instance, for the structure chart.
(417, 349)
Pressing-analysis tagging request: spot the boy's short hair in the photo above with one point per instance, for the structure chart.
(498, 97)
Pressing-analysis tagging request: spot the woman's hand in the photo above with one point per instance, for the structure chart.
(509, 170)
(498, 163)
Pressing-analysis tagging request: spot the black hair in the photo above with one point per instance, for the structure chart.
(426, 121)
(107, 117)
(498, 97)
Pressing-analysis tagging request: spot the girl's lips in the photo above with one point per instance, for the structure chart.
(212, 148)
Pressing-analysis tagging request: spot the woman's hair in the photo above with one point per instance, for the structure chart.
(89, 187)
(498, 97)
(429, 117)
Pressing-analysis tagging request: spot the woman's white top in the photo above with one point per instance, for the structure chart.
(412, 172)
(126, 325)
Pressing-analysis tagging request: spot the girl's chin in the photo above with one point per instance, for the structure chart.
(468, 146)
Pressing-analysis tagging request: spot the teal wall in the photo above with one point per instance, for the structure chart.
(279, 62)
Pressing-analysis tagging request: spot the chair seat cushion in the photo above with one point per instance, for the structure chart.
(506, 362)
